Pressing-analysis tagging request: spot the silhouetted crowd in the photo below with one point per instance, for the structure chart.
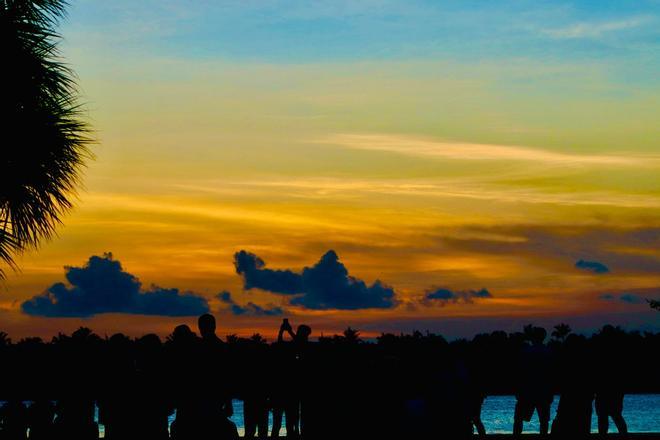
(399, 386)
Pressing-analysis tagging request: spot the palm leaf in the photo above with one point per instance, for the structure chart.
(45, 139)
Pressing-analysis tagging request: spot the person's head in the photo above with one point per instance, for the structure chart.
(206, 325)
(182, 335)
(149, 342)
(302, 335)
(182, 332)
(119, 339)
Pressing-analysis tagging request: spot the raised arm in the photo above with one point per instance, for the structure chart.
(285, 327)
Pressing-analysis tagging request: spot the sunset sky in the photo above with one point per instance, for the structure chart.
(442, 148)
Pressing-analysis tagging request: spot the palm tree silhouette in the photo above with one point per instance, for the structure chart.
(352, 336)
(5, 340)
(561, 331)
(45, 139)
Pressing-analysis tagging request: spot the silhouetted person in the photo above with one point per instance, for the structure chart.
(446, 396)
(74, 412)
(152, 398)
(118, 411)
(41, 415)
(278, 386)
(610, 343)
(183, 356)
(475, 414)
(215, 365)
(207, 328)
(289, 403)
(475, 400)
(573, 419)
(534, 390)
(474, 390)
(201, 400)
(254, 387)
(255, 414)
(610, 404)
(75, 419)
(13, 420)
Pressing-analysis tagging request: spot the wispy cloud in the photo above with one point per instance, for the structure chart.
(422, 147)
(594, 30)
(473, 188)
(172, 207)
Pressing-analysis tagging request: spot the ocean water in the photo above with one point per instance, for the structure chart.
(641, 412)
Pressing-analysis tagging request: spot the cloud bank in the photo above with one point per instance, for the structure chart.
(256, 276)
(102, 286)
(250, 309)
(592, 266)
(325, 285)
(444, 296)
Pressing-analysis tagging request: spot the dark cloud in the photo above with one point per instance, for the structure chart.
(592, 266)
(629, 298)
(441, 294)
(444, 296)
(102, 286)
(250, 309)
(225, 297)
(253, 309)
(326, 285)
(255, 275)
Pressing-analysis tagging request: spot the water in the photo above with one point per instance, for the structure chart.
(641, 411)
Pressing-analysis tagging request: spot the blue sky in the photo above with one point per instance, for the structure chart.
(311, 31)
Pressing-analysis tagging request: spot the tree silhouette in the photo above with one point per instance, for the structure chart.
(352, 336)
(85, 334)
(561, 331)
(233, 338)
(528, 332)
(655, 304)
(258, 339)
(45, 140)
(5, 340)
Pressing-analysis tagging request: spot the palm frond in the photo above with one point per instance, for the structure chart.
(45, 139)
